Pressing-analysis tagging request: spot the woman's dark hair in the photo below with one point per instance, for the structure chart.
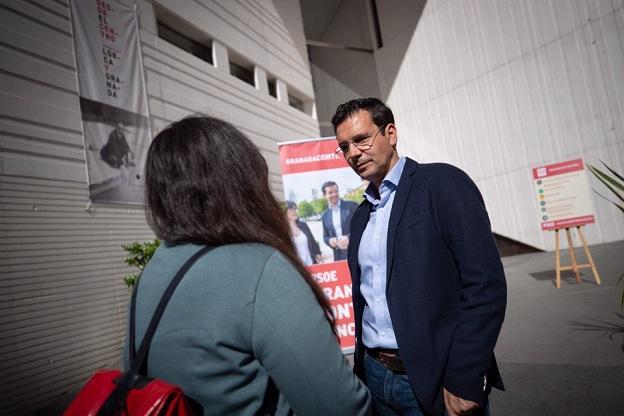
(380, 113)
(290, 205)
(207, 183)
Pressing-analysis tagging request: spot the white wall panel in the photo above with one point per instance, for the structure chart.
(499, 86)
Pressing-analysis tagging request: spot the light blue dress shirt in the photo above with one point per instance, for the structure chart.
(336, 220)
(377, 331)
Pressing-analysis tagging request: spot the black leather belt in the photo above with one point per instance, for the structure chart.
(388, 358)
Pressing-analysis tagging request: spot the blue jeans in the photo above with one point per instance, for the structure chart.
(392, 394)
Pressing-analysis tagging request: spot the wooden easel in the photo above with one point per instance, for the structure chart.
(575, 266)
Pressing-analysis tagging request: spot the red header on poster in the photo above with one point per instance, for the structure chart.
(310, 156)
(558, 168)
(335, 280)
(568, 223)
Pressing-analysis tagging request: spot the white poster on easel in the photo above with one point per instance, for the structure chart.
(563, 195)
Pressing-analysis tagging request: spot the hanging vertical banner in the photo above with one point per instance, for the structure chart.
(322, 193)
(113, 102)
(563, 195)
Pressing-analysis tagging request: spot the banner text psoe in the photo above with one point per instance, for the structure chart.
(335, 281)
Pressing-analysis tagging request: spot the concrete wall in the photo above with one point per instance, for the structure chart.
(62, 297)
(339, 74)
(497, 87)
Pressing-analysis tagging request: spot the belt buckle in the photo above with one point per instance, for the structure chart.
(391, 361)
(383, 359)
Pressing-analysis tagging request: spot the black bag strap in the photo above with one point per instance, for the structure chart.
(271, 397)
(131, 336)
(136, 362)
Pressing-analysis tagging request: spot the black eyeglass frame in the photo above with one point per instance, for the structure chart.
(359, 145)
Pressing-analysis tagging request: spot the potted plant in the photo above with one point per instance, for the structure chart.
(615, 183)
(139, 254)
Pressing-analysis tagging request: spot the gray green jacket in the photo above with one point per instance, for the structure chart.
(240, 314)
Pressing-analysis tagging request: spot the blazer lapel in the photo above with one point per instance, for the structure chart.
(329, 223)
(398, 207)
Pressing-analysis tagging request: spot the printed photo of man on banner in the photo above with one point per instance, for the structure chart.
(322, 193)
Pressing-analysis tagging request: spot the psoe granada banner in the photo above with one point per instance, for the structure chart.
(113, 104)
(322, 193)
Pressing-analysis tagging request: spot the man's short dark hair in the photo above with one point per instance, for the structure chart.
(380, 113)
(327, 185)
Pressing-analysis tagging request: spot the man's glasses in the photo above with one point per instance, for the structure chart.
(362, 142)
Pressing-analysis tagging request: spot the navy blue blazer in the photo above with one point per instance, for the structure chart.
(446, 287)
(347, 208)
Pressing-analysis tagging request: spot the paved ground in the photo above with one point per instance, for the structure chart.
(561, 351)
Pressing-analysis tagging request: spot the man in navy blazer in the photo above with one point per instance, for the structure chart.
(429, 291)
(336, 219)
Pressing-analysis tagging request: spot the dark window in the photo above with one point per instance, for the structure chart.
(203, 52)
(242, 73)
(295, 102)
(272, 88)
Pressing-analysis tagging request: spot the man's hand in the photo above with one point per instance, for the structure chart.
(332, 242)
(343, 242)
(456, 406)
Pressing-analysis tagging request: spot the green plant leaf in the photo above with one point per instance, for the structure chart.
(613, 185)
(606, 178)
(619, 206)
(617, 175)
(604, 197)
(131, 279)
(139, 254)
(608, 181)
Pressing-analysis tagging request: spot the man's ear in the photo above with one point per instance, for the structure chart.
(391, 132)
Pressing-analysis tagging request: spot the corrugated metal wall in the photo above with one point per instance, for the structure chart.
(62, 299)
(499, 86)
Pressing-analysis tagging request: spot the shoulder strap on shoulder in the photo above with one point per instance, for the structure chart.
(137, 361)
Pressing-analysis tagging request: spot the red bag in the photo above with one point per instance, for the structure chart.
(132, 393)
(155, 398)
